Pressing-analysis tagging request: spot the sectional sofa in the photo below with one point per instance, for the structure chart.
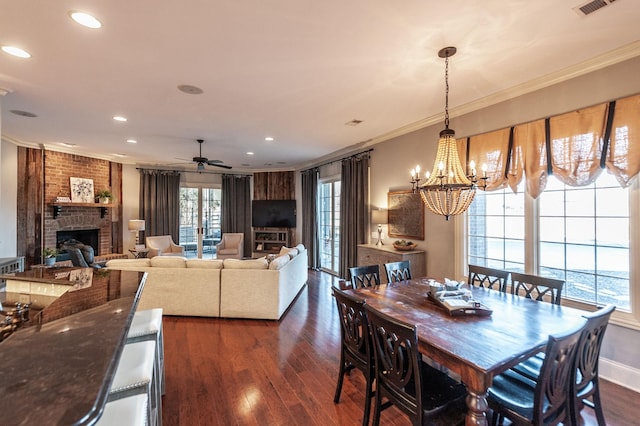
(230, 288)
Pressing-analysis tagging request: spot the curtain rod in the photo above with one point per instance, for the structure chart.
(195, 171)
(338, 159)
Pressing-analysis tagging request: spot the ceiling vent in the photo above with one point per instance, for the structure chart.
(592, 6)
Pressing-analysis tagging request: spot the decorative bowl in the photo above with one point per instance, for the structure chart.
(404, 247)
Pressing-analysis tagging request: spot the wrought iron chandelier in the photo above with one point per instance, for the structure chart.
(447, 190)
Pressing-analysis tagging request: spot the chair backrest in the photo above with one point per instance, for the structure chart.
(365, 276)
(552, 396)
(232, 239)
(535, 287)
(481, 276)
(159, 242)
(397, 364)
(398, 271)
(589, 347)
(354, 329)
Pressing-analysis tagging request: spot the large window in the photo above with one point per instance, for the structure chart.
(578, 234)
(200, 220)
(329, 224)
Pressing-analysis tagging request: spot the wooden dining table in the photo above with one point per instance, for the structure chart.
(474, 347)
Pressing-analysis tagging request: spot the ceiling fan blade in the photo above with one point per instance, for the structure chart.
(214, 162)
(224, 166)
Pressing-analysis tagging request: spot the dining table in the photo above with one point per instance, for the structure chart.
(474, 347)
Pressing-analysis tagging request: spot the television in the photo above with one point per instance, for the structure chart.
(273, 213)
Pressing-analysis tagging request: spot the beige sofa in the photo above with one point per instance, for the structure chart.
(229, 288)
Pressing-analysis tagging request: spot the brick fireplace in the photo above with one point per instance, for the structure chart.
(58, 169)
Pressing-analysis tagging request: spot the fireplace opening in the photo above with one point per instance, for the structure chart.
(90, 237)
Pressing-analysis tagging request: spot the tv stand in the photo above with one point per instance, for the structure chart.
(269, 241)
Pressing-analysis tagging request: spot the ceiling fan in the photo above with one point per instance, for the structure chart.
(201, 161)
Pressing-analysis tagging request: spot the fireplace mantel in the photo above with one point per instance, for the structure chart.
(57, 207)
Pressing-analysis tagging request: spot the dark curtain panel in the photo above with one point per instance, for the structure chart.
(354, 213)
(236, 207)
(160, 203)
(310, 216)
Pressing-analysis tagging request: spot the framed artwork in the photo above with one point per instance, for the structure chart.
(82, 190)
(406, 215)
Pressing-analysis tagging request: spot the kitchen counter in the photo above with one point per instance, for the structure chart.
(57, 368)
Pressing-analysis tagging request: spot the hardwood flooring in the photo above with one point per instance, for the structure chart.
(255, 372)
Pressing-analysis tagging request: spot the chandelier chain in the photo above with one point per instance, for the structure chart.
(446, 96)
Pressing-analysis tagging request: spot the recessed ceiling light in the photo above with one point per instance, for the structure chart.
(23, 113)
(67, 144)
(189, 89)
(268, 139)
(120, 155)
(250, 153)
(16, 51)
(85, 19)
(119, 118)
(132, 141)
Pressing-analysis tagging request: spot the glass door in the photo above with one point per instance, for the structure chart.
(200, 221)
(329, 225)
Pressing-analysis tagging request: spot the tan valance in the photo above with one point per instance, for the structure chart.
(570, 146)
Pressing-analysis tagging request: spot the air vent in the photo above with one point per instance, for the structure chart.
(592, 6)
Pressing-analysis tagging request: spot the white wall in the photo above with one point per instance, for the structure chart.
(8, 196)
(130, 203)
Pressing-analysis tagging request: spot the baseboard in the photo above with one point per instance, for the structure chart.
(620, 374)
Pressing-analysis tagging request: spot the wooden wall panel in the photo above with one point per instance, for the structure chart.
(29, 204)
(274, 186)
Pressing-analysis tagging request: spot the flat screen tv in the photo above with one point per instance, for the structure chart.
(273, 213)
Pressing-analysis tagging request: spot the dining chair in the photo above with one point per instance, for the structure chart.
(398, 271)
(546, 401)
(417, 389)
(587, 378)
(536, 287)
(481, 276)
(365, 276)
(355, 347)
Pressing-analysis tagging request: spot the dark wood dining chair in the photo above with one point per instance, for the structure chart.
(398, 271)
(417, 389)
(587, 378)
(365, 276)
(355, 347)
(481, 276)
(546, 401)
(537, 288)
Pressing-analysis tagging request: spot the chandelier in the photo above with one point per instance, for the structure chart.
(447, 190)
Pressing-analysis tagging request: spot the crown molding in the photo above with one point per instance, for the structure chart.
(612, 57)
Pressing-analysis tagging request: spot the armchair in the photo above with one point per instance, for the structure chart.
(231, 246)
(163, 245)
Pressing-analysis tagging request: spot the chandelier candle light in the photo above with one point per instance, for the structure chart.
(447, 190)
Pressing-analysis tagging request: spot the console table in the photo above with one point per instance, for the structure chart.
(57, 368)
(371, 254)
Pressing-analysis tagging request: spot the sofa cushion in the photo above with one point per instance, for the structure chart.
(169, 262)
(279, 262)
(292, 252)
(246, 264)
(204, 263)
(114, 263)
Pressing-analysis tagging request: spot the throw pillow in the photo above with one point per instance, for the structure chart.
(279, 262)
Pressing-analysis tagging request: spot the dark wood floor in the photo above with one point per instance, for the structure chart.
(254, 372)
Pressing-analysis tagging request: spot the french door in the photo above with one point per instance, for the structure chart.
(200, 221)
(329, 226)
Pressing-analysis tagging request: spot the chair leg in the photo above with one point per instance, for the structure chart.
(378, 408)
(367, 401)
(598, 406)
(341, 373)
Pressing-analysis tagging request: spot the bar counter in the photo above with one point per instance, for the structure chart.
(57, 368)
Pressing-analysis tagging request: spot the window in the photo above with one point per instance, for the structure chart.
(496, 230)
(584, 240)
(582, 237)
(200, 220)
(329, 224)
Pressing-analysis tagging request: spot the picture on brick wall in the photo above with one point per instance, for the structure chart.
(82, 190)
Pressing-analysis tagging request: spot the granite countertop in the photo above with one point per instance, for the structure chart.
(58, 369)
